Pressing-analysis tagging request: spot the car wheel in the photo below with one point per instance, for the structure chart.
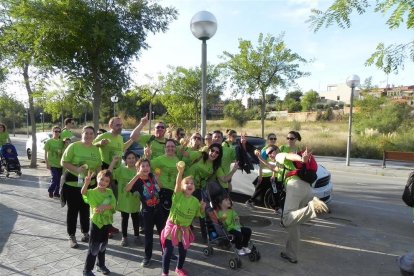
(29, 154)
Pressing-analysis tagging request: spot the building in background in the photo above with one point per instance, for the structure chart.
(339, 92)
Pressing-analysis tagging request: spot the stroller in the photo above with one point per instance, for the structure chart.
(217, 235)
(9, 161)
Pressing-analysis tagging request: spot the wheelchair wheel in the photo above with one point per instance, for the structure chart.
(208, 251)
(252, 256)
(269, 199)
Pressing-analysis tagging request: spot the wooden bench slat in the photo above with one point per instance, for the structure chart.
(397, 156)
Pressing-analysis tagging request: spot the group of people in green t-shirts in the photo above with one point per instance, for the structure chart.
(162, 188)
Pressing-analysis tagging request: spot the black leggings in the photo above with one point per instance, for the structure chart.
(97, 247)
(168, 251)
(242, 237)
(261, 188)
(76, 206)
(135, 223)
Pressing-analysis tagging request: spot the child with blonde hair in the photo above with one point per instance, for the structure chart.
(177, 232)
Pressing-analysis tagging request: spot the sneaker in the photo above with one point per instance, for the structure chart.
(164, 274)
(240, 252)
(103, 269)
(56, 196)
(50, 195)
(181, 272)
(319, 206)
(85, 237)
(88, 273)
(145, 262)
(249, 204)
(247, 250)
(72, 242)
(124, 241)
(286, 257)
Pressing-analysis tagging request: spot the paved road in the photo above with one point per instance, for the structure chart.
(368, 227)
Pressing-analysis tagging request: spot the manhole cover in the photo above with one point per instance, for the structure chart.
(254, 221)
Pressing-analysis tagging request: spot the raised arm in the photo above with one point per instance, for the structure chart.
(137, 130)
(227, 178)
(86, 183)
(131, 183)
(180, 168)
(115, 160)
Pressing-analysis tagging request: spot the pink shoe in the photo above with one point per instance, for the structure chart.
(181, 272)
(164, 274)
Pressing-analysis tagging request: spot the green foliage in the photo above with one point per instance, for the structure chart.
(292, 106)
(309, 100)
(296, 125)
(181, 93)
(294, 95)
(11, 110)
(387, 58)
(268, 66)
(253, 113)
(236, 112)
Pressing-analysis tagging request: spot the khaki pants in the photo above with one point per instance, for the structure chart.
(296, 212)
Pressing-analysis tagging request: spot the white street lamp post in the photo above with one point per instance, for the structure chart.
(114, 99)
(352, 81)
(203, 26)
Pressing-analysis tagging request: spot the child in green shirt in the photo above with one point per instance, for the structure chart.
(177, 232)
(231, 223)
(53, 153)
(102, 203)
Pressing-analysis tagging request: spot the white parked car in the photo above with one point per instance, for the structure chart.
(41, 138)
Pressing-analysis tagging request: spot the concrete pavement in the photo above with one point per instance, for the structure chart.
(33, 238)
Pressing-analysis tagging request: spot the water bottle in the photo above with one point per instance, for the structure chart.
(274, 186)
(80, 179)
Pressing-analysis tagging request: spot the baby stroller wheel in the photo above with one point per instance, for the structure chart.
(19, 173)
(252, 256)
(234, 263)
(7, 174)
(258, 255)
(208, 251)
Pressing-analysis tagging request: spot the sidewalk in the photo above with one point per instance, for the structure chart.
(33, 238)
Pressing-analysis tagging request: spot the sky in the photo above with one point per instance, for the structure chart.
(337, 53)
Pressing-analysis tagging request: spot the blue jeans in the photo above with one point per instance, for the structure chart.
(55, 181)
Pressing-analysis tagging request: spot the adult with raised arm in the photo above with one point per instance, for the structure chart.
(79, 158)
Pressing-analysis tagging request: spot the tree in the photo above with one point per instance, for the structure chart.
(182, 94)
(268, 66)
(95, 41)
(235, 111)
(309, 100)
(294, 95)
(387, 58)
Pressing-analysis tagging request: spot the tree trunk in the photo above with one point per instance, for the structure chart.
(262, 111)
(33, 161)
(97, 94)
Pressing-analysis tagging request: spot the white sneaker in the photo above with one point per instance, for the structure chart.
(247, 250)
(240, 252)
(319, 206)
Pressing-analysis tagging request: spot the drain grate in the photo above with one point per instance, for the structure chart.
(255, 221)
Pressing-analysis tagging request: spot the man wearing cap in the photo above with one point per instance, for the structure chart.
(156, 141)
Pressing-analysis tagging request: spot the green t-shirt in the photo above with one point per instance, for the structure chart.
(4, 138)
(202, 172)
(168, 168)
(193, 155)
(54, 149)
(127, 202)
(78, 154)
(288, 164)
(95, 198)
(230, 219)
(157, 146)
(184, 209)
(115, 147)
(229, 155)
(66, 133)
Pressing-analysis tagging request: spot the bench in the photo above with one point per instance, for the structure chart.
(397, 156)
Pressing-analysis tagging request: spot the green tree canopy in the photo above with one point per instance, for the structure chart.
(401, 12)
(236, 112)
(294, 95)
(309, 99)
(268, 66)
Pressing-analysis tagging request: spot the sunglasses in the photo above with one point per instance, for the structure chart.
(197, 138)
(182, 134)
(215, 151)
(290, 138)
(57, 131)
(273, 139)
(160, 127)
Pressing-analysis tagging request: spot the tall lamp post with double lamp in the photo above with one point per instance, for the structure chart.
(352, 81)
(114, 99)
(203, 26)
